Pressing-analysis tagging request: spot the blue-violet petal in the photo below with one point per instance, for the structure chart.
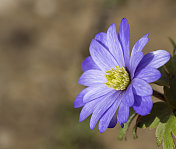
(141, 88)
(143, 105)
(95, 92)
(154, 59)
(103, 106)
(88, 64)
(107, 117)
(123, 37)
(92, 77)
(114, 45)
(113, 122)
(101, 56)
(149, 74)
(123, 113)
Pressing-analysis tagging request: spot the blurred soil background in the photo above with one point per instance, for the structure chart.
(42, 46)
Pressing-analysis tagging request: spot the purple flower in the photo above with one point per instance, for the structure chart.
(115, 80)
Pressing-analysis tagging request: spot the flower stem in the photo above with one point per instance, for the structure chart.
(159, 95)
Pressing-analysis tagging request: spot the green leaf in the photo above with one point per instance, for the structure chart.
(160, 112)
(123, 130)
(171, 65)
(174, 45)
(170, 92)
(169, 129)
(173, 59)
(154, 123)
(169, 75)
(163, 119)
(160, 132)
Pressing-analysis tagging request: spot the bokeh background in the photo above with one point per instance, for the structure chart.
(42, 46)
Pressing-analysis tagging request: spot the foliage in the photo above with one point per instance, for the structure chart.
(163, 119)
(169, 91)
(163, 114)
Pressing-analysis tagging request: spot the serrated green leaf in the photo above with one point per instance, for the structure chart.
(170, 127)
(160, 132)
(164, 120)
(174, 130)
(154, 123)
(123, 130)
(168, 142)
(160, 112)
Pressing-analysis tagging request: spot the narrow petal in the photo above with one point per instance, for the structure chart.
(139, 45)
(92, 77)
(107, 117)
(114, 45)
(134, 61)
(141, 88)
(96, 92)
(124, 40)
(79, 99)
(137, 54)
(103, 106)
(123, 113)
(88, 109)
(149, 74)
(113, 122)
(143, 105)
(101, 56)
(102, 38)
(89, 64)
(154, 59)
(128, 97)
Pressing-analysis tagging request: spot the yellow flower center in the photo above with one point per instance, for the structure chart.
(118, 78)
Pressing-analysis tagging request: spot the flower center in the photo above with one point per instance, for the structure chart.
(118, 78)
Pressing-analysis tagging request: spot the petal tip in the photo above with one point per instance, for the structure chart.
(112, 28)
(124, 20)
(81, 116)
(101, 130)
(102, 127)
(75, 105)
(147, 35)
(80, 80)
(92, 127)
(80, 119)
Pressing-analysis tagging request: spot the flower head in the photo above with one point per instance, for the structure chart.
(116, 80)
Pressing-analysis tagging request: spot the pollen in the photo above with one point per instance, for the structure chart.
(117, 79)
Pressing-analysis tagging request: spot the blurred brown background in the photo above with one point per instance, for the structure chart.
(42, 46)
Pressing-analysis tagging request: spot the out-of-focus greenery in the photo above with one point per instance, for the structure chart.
(70, 134)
